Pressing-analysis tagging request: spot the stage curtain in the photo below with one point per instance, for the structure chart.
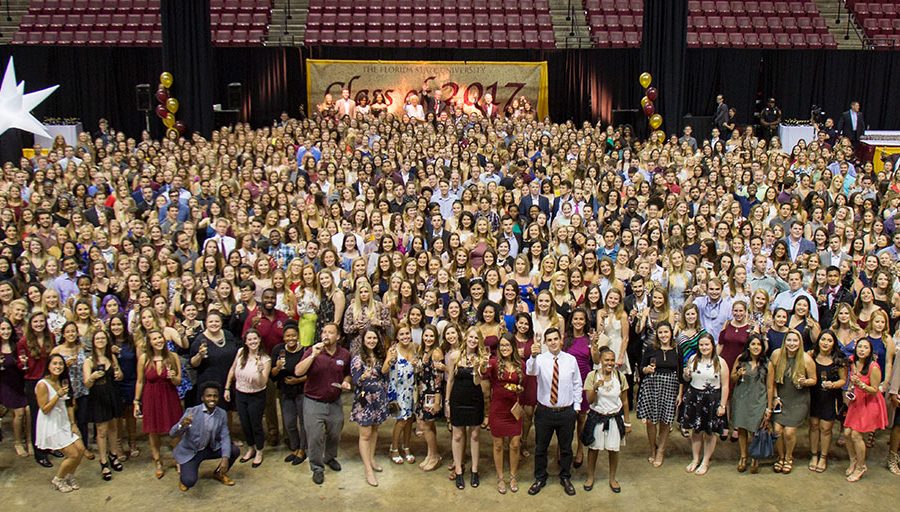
(187, 54)
(663, 55)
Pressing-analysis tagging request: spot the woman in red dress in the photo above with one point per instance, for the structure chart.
(523, 337)
(159, 374)
(867, 411)
(507, 379)
(733, 339)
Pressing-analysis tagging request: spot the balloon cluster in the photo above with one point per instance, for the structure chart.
(650, 95)
(168, 106)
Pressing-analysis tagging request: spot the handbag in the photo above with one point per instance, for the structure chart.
(517, 411)
(762, 446)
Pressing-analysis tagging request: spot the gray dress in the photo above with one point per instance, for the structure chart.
(748, 399)
(794, 402)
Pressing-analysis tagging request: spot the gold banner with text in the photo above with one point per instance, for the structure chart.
(397, 80)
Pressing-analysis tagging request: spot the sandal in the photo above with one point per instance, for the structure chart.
(105, 472)
(857, 474)
(870, 439)
(788, 466)
(431, 466)
(501, 486)
(754, 466)
(410, 458)
(813, 462)
(89, 455)
(114, 462)
(513, 484)
(822, 465)
(20, 450)
(160, 472)
(395, 456)
(134, 452)
(690, 468)
(778, 467)
(702, 469)
(742, 465)
(851, 469)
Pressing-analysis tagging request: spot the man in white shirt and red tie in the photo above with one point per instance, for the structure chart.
(559, 389)
(224, 243)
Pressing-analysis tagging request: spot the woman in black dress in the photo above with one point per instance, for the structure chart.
(100, 372)
(825, 399)
(429, 384)
(465, 389)
(126, 356)
(212, 353)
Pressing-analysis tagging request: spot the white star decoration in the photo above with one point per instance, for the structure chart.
(16, 106)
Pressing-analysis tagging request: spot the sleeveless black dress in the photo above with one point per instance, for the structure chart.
(466, 400)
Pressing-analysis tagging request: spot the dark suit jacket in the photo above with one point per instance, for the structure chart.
(826, 313)
(557, 202)
(721, 117)
(397, 178)
(445, 236)
(845, 126)
(437, 107)
(495, 110)
(526, 202)
(92, 217)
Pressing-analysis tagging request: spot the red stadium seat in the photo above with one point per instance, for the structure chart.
(767, 40)
(735, 40)
(601, 38)
(707, 40)
(813, 41)
(693, 40)
(751, 40)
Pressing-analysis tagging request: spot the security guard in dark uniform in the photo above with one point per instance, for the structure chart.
(769, 119)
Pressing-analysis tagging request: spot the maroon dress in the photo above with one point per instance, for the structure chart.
(491, 343)
(159, 403)
(503, 397)
(733, 341)
(529, 396)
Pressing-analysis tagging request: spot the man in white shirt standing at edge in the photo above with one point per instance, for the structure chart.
(559, 389)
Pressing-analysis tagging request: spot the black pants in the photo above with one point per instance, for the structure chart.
(190, 470)
(33, 408)
(83, 419)
(250, 408)
(546, 423)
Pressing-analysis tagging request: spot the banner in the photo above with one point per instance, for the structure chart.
(398, 80)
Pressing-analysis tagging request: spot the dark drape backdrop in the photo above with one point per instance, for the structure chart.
(663, 55)
(272, 80)
(187, 54)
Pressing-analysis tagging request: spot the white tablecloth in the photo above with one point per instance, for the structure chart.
(69, 131)
(789, 135)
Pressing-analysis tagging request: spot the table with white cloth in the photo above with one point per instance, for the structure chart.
(789, 135)
(68, 131)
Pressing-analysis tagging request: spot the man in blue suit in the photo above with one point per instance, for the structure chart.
(798, 245)
(204, 436)
(534, 198)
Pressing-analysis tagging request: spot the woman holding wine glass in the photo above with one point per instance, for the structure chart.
(156, 394)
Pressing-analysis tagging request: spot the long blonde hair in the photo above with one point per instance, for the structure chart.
(798, 370)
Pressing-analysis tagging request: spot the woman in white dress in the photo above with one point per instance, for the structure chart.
(606, 425)
(54, 423)
(613, 322)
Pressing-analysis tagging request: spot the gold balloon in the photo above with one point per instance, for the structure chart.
(644, 101)
(169, 120)
(655, 121)
(660, 136)
(172, 105)
(646, 79)
(166, 79)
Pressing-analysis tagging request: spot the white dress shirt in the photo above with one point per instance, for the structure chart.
(569, 385)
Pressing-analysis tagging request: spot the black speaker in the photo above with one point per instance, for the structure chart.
(235, 92)
(142, 95)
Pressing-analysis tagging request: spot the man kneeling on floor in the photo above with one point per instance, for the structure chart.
(204, 436)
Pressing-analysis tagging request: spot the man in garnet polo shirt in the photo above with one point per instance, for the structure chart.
(269, 323)
(327, 372)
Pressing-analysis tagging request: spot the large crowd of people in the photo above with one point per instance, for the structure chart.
(448, 267)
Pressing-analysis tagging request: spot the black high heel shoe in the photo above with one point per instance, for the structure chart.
(460, 481)
(475, 481)
(114, 462)
(105, 472)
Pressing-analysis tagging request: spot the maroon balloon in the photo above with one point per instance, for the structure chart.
(162, 95)
(649, 109)
(652, 93)
(161, 111)
(180, 126)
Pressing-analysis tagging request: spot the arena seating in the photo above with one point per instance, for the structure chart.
(880, 22)
(134, 22)
(757, 24)
(615, 23)
(463, 24)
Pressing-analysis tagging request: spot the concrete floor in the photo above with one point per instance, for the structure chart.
(279, 486)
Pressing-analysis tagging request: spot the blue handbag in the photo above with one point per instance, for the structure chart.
(762, 446)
